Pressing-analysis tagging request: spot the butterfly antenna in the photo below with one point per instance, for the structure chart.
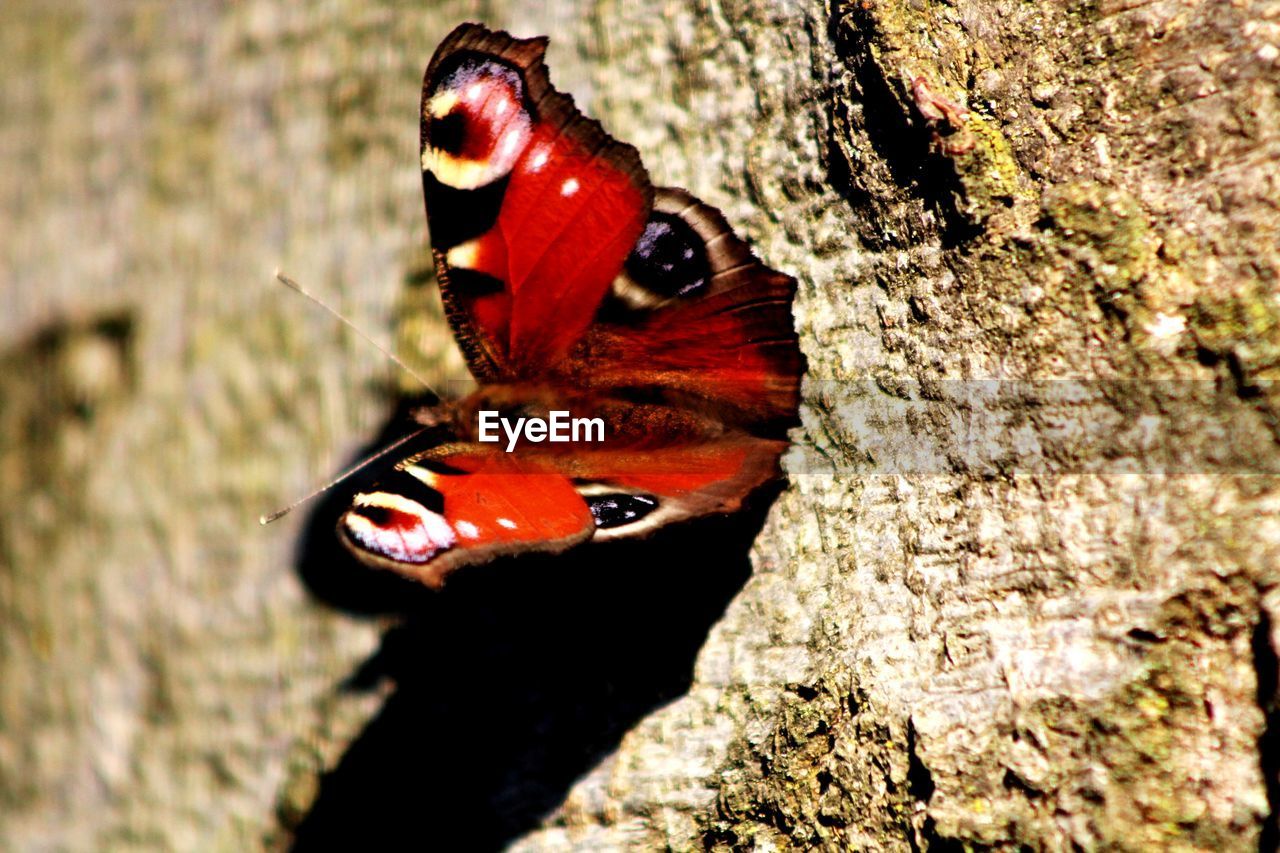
(293, 285)
(400, 442)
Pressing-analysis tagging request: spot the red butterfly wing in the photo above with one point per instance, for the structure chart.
(532, 207)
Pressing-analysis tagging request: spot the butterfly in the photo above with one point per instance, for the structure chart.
(574, 286)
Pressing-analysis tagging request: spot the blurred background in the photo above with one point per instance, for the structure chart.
(160, 660)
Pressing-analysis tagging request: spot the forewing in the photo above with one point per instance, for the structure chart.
(532, 207)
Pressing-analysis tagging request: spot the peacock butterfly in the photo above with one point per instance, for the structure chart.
(573, 286)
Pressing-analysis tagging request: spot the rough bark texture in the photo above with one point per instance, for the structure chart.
(1022, 589)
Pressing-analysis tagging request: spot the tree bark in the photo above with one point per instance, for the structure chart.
(1020, 590)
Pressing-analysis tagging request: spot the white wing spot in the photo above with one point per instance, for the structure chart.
(569, 187)
(442, 104)
(507, 523)
(464, 256)
(474, 91)
(511, 141)
(467, 530)
(539, 160)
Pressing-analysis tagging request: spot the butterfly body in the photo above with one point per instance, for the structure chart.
(574, 286)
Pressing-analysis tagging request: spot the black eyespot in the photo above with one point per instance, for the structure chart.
(669, 259)
(614, 510)
(448, 133)
(377, 515)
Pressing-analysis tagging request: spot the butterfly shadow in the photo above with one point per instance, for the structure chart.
(515, 679)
